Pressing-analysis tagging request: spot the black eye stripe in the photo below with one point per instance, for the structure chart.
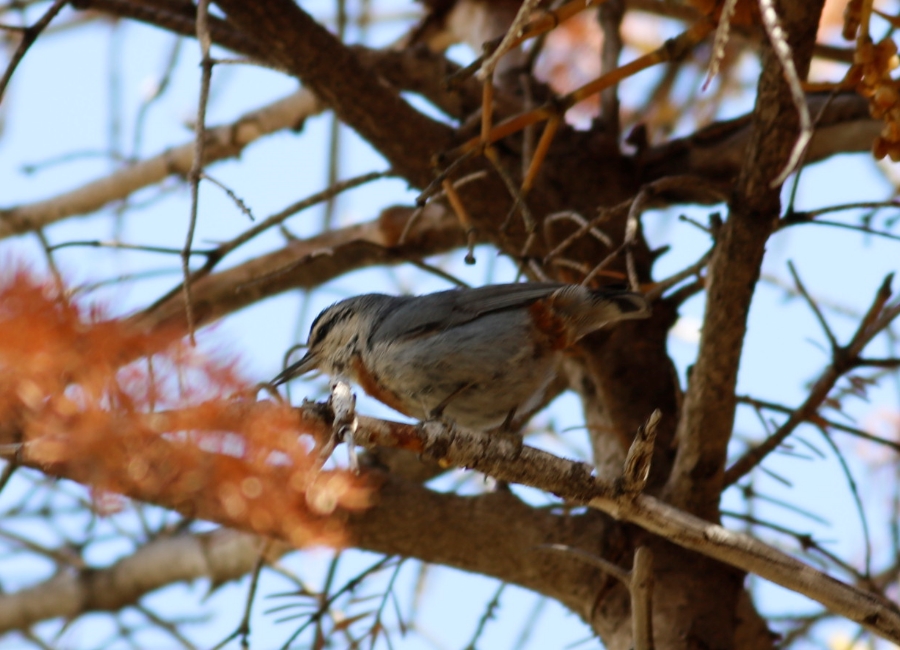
(324, 323)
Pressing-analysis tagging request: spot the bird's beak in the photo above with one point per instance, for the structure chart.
(310, 361)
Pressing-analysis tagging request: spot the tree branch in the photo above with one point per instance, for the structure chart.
(706, 423)
(718, 151)
(373, 109)
(227, 141)
(407, 515)
(844, 358)
(308, 263)
(218, 556)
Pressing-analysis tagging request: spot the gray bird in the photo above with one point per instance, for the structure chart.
(473, 356)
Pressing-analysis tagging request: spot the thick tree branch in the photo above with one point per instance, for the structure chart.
(218, 556)
(281, 34)
(373, 109)
(404, 507)
(424, 72)
(305, 264)
(707, 416)
(179, 18)
(705, 427)
(501, 459)
(717, 152)
(494, 533)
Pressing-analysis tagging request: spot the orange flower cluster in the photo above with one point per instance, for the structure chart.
(145, 415)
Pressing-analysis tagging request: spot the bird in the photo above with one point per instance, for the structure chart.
(473, 356)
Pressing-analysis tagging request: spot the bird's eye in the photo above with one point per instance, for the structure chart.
(325, 322)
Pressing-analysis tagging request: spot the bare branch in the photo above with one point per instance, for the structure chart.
(222, 142)
(844, 358)
(219, 556)
(706, 422)
(309, 263)
(500, 458)
(407, 138)
(29, 36)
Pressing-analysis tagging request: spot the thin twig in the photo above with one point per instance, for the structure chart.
(204, 38)
(327, 602)
(461, 182)
(509, 39)
(334, 132)
(664, 285)
(238, 201)
(584, 226)
(518, 197)
(12, 464)
(215, 256)
(99, 243)
(877, 318)
(606, 566)
(854, 490)
(243, 628)
(750, 493)
(170, 626)
(815, 308)
(488, 614)
(51, 262)
(438, 181)
(782, 50)
(377, 625)
(29, 36)
(801, 218)
(632, 223)
(610, 17)
(723, 29)
(464, 219)
(159, 90)
(795, 186)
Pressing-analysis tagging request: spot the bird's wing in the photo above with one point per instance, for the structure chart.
(446, 309)
(471, 303)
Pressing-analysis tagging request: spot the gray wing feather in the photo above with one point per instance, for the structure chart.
(440, 311)
(496, 297)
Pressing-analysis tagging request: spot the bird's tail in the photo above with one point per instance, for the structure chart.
(627, 303)
(588, 310)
